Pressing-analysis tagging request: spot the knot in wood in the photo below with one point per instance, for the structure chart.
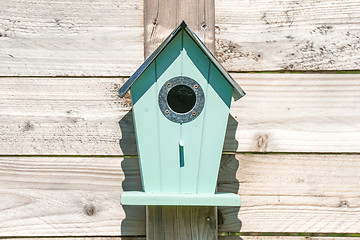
(343, 203)
(262, 142)
(90, 210)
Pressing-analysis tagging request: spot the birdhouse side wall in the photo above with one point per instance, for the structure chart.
(144, 93)
(210, 127)
(218, 100)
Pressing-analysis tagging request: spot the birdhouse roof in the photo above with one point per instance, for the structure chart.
(238, 92)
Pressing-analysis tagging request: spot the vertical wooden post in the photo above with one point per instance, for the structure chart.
(181, 222)
(161, 17)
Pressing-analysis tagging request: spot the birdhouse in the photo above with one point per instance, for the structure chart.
(181, 98)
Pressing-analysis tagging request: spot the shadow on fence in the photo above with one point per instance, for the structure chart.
(134, 219)
(228, 220)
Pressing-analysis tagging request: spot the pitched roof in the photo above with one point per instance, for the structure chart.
(238, 92)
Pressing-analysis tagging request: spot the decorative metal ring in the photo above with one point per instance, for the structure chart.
(175, 116)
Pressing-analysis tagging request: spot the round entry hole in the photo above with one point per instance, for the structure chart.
(181, 99)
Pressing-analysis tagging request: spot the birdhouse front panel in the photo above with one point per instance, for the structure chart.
(181, 104)
(181, 98)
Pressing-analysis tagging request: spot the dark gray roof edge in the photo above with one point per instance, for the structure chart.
(238, 92)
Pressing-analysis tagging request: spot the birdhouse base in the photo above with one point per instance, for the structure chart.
(180, 199)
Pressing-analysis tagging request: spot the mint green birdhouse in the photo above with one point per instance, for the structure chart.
(181, 98)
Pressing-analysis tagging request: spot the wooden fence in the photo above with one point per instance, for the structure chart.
(67, 144)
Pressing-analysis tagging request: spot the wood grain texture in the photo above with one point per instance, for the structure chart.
(68, 197)
(302, 193)
(70, 38)
(79, 238)
(80, 196)
(85, 116)
(163, 16)
(60, 116)
(285, 238)
(105, 38)
(220, 238)
(271, 35)
(181, 222)
(291, 174)
(296, 113)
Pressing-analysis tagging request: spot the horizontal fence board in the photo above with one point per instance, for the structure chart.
(79, 238)
(51, 196)
(79, 196)
(64, 116)
(285, 238)
(85, 116)
(271, 35)
(71, 38)
(320, 175)
(220, 238)
(105, 38)
(291, 192)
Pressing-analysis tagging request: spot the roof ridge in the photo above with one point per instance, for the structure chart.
(238, 92)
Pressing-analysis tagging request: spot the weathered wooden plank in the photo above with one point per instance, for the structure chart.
(68, 197)
(78, 238)
(181, 222)
(288, 35)
(220, 238)
(84, 116)
(296, 113)
(105, 38)
(291, 174)
(291, 192)
(71, 38)
(61, 115)
(285, 238)
(163, 16)
(80, 196)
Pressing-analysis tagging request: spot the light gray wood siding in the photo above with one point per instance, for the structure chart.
(85, 116)
(292, 144)
(290, 35)
(67, 196)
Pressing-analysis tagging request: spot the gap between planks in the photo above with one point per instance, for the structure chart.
(224, 153)
(355, 71)
(256, 236)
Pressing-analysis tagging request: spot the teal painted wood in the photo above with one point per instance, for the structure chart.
(216, 115)
(143, 94)
(166, 167)
(195, 65)
(168, 65)
(144, 198)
